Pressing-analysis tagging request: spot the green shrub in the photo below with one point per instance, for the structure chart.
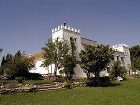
(19, 79)
(60, 79)
(101, 81)
(118, 70)
(35, 76)
(68, 85)
(80, 80)
(136, 76)
(42, 82)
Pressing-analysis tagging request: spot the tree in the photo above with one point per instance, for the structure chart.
(69, 61)
(73, 46)
(135, 52)
(135, 57)
(95, 59)
(54, 52)
(136, 64)
(86, 62)
(6, 64)
(118, 70)
(1, 50)
(16, 66)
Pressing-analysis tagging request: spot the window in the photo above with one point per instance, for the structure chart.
(113, 58)
(57, 38)
(108, 69)
(117, 58)
(122, 60)
(70, 38)
(75, 39)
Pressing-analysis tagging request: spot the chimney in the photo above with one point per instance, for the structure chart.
(64, 23)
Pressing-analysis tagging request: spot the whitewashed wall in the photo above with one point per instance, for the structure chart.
(125, 49)
(64, 33)
(39, 69)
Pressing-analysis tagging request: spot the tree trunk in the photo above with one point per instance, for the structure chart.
(97, 77)
(55, 71)
(88, 75)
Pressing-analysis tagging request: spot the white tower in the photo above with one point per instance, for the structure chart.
(65, 32)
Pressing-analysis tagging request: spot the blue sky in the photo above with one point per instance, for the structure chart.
(26, 24)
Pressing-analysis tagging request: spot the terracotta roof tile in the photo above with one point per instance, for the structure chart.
(37, 56)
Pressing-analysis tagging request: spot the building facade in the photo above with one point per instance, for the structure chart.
(122, 54)
(65, 32)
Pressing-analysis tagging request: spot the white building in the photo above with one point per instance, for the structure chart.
(64, 32)
(122, 54)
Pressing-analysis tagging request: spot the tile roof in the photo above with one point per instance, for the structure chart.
(40, 55)
(37, 56)
(86, 41)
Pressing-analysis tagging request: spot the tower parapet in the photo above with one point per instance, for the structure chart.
(65, 27)
(120, 45)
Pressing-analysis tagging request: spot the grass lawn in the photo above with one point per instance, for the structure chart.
(126, 94)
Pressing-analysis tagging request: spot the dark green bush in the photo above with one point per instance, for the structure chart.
(101, 81)
(60, 79)
(34, 76)
(19, 79)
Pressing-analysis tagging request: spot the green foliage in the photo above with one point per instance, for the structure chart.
(40, 82)
(135, 57)
(80, 79)
(59, 78)
(94, 59)
(34, 76)
(54, 53)
(19, 79)
(68, 85)
(69, 61)
(135, 52)
(62, 55)
(118, 70)
(136, 64)
(73, 46)
(16, 66)
(101, 81)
